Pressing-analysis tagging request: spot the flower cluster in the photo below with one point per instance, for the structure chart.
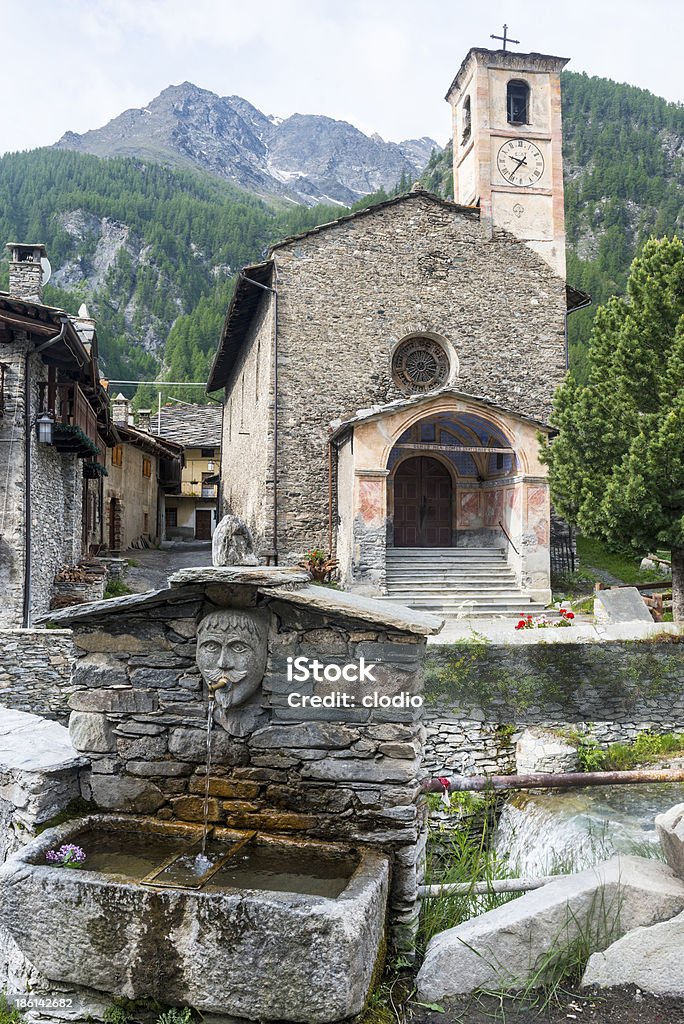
(68, 856)
(542, 621)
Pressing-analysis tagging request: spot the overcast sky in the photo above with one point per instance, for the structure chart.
(384, 66)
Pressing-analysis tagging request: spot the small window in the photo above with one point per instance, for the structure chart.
(117, 455)
(146, 522)
(172, 518)
(208, 453)
(147, 467)
(518, 101)
(467, 121)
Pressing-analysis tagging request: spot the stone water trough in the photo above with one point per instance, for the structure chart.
(237, 945)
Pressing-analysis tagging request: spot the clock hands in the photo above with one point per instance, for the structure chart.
(519, 163)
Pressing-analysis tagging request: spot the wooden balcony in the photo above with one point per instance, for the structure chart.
(190, 489)
(75, 427)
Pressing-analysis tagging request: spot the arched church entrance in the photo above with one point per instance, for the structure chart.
(453, 482)
(423, 504)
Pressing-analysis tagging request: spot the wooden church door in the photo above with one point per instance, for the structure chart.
(422, 504)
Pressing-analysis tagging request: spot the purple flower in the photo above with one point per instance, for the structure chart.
(68, 856)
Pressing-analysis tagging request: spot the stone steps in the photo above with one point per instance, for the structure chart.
(456, 582)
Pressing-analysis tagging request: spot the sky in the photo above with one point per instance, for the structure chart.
(384, 66)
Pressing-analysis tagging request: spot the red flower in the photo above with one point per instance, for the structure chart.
(569, 615)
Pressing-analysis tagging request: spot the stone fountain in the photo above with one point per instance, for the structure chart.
(322, 773)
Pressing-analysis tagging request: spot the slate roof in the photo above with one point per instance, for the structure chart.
(193, 426)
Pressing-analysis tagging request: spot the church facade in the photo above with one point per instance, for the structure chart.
(387, 376)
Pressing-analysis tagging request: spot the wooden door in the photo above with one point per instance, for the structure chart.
(422, 504)
(203, 524)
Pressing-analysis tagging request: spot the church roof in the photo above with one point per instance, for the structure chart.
(341, 427)
(511, 60)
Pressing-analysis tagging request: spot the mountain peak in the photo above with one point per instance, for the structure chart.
(309, 158)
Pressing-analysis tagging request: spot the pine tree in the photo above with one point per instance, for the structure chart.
(617, 464)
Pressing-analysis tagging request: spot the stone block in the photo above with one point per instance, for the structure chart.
(382, 770)
(541, 750)
(100, 642)
(225, 788)
(623, 605)
(305, 734)
(670, 827)
(650, 958)
(119, 793)
(270, 820)
(145, 748)
(191, 808)
(191, 745)
(118, 700)
(158, 769)
(155, 678)
(99, 670)
(89, 730)
(502, 948)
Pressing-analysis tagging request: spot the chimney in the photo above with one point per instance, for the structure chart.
(144, 419)
(121, 409)
(85, 326)
(26, 272)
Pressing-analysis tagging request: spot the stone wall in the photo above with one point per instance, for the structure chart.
(351, 774)
(56, 495)
(480, 697)
(493, 301)
(136, 495)
(35, 669)
(248, 433)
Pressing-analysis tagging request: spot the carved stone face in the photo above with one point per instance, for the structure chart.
(232, 646)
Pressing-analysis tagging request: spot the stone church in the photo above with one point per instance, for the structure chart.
(388, 376)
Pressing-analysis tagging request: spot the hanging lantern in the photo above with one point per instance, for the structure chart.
(210, 466)
(45, 423)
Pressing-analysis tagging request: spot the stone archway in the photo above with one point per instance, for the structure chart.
(423, 504)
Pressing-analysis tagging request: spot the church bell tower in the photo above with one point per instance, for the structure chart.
(508, 146)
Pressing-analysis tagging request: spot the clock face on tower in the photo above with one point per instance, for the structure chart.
(520, 162)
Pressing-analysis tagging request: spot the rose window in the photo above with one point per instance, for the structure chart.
(420, 364)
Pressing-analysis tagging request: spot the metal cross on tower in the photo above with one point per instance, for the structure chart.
(504, 38)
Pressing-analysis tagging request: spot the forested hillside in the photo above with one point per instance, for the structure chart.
(154, 251)
(624, 181)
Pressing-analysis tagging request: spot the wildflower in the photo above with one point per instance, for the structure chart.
(67, 856)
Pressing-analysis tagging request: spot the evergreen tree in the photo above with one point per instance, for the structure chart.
(617, 464)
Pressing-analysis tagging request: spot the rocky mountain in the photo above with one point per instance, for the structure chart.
(307, 158)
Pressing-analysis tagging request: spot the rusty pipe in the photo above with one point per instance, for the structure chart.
(543, 780)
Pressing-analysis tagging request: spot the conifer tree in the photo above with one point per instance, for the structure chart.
(617, 464)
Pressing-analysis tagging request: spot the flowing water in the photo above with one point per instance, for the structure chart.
(202, 862)
(556, 831)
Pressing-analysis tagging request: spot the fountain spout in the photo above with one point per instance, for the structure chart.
(213, 687)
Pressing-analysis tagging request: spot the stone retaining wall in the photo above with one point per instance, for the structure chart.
(480, 696)
(35, 666)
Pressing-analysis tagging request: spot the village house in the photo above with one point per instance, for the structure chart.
(387, 375)
(54, 430)
(142, 470)
(191, 512)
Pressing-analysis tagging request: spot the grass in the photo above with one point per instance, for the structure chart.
(116, 588)
(8, 1014)
(646, 748)
(594, 555)
(463, 854)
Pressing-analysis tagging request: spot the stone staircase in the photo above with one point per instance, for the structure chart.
(456, 582)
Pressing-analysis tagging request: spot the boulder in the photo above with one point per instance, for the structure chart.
(648, 957)
(670, 826)
(232, 543)
(503, 948)
(541, 750)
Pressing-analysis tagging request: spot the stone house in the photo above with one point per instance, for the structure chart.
(386, 376)
(191, 512)
(54, 430)
(142, 470)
